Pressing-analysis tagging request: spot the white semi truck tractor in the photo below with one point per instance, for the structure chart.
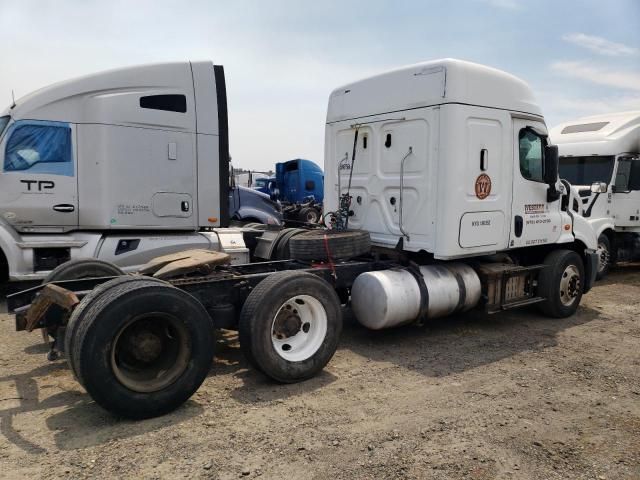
(120, 166)
(600, 156)
(442, 194)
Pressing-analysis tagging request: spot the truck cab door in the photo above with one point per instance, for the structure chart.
(534, 220)
(38, 184)
(626, 192)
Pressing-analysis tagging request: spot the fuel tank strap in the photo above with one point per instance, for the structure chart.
(462, 298)
(414, 269)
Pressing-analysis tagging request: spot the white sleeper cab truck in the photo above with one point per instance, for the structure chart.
(443, 195)
(600, 156)
(450, 163)
(119, 166)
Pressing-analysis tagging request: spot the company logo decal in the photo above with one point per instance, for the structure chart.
(483, 186)
(534, 208)
(38, 185)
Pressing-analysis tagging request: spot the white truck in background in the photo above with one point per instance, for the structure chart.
(122, 166)
(600, 156)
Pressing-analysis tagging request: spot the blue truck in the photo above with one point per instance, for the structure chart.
(299, 186)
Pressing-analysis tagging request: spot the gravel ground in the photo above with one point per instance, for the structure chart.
(513, 395)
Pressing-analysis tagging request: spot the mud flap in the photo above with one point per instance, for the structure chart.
(590, 270)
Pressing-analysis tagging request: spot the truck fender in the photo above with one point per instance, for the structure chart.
(249, 212)
(584, 231)
(600, 225)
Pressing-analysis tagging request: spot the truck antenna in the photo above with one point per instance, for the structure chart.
(13, 98)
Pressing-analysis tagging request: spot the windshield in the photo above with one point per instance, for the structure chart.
(3, 123)
(586, 170)
(261, 182)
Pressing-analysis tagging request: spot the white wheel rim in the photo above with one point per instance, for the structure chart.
(299, 328)
(603, 257)
(570, 285)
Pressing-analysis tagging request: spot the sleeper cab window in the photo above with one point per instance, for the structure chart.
(39, 149)
(168, 103)
(531, 158)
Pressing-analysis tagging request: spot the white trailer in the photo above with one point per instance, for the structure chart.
(119, 166)
(446, 173)
(600, 156)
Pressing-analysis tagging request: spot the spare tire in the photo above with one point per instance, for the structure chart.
(324, 245)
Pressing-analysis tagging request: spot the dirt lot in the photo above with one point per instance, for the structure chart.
(513, 395)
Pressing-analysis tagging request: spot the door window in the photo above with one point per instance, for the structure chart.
(622, 175)
(39, 149)
(3, 123)
(531, 157)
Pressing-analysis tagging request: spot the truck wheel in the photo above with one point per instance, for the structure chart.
(604, 257)
(143, 348)
(83, 268)
(78, 313)
(290, 325)
(80, 268)
(309, 215)
(561, 283)
(323, 245)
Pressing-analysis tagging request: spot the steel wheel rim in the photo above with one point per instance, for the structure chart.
(603, 257)
(299, 328)
(150, 352)
(570, 285)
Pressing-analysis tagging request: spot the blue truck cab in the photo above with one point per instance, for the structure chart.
(300, 179)
(295, 182)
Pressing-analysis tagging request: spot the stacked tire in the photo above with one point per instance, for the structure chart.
(329, 245)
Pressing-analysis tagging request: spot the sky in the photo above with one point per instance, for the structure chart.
(282, 58)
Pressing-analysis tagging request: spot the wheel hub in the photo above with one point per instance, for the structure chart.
(145, 346)
(570, 285)
(299, 328)
(150, 352)
(603, 257)
(287, 324)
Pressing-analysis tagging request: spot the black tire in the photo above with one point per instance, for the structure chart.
(561, 265)
(257, 324)
(282, 250)
(321, 244)
(78, 313)
(604, 257)
(80, 268)
(83, 268)
(105, 330)
(4, 269)
(309, 215)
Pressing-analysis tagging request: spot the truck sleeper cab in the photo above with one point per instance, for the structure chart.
(118, 165)
(600, 156)
(452, 159)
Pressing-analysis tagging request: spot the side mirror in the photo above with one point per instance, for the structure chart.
(598, 187)
(551, 164)
(551, 159)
